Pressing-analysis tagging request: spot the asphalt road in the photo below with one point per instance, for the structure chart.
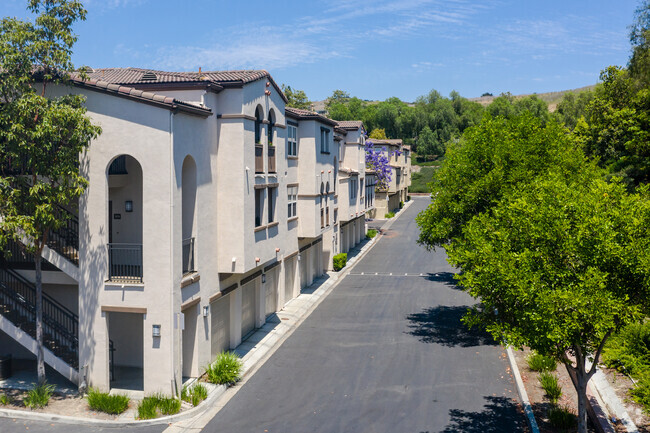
(383, 353)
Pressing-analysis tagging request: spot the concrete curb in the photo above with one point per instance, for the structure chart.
(251, 360)
(522, 391)
(612, 404)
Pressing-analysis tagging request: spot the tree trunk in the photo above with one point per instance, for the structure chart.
(40, 358)
(582, 379)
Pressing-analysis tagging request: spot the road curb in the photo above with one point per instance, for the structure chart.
(261, 354)
(522, 391)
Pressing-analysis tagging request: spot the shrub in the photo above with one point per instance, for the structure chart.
(225, 370)
(39, 396)
(157, 404)
(538, 362)
(561, 418)
(371, 233)
(195, 395)
(401, 204)
(641, 393)
(389, 215)
(4, 399)
(339, 261)
(104, 402)
(551, 386)
(629, 350)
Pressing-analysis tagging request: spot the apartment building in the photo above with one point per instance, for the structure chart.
(388, 199)
(209, 206)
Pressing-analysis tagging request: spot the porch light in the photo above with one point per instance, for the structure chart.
(128, 206)
(155, 332)
(206, 311)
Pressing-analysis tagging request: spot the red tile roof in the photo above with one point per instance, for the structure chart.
(298, 113)
(350, 124)
(143, 77)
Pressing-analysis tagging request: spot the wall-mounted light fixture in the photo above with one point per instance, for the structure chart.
(155, 331)
(128, 206)
(206, 311)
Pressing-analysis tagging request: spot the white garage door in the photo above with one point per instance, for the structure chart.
(271, 291)
(248, 308)
(289, 277)
(220, 325)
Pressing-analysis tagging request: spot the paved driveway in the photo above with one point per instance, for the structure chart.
(383, 353)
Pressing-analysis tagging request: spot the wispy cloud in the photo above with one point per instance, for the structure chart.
(340, 30)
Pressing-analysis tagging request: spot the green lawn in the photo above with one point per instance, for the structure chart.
(420, 180)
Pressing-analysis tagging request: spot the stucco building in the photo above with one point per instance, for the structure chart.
(210, 205)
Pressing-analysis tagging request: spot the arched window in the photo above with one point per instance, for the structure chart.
(259, 116)
(270, 128)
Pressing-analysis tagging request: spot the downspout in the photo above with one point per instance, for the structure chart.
(171, 249)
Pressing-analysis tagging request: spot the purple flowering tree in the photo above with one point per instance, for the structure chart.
(378, 159)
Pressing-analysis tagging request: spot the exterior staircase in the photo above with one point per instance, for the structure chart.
(18, 300)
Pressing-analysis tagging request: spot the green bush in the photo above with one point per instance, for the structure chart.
(371, 233)
(39, 396)
(401, 204)
(4, 399)
(339, 261)
(538, 362)
(561, 418)
(641, 393)
(389, 215)
(551, 386)
(104, 402)
(156, 405)
(629, 350)
(194, 395)
(225, 370)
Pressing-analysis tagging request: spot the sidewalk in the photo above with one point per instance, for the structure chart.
(254, 350)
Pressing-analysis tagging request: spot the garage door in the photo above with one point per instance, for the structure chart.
(220, 325)
(248, 308)
(289, 277)
(271, 291)
(305, 256)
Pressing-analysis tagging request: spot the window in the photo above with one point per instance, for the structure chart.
(322, 213)
(258, 125)
(353, 189)
(398, 172)
(361, 187)
(259, 205)
(292, 141)
(324, 140)
(336, 215)
(272, 194)
(270, 129)
(292, 198)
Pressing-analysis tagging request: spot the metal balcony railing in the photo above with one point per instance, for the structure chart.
(65, 240)
(125, 263)
(189, 263)
(259, 158)
(271, 159)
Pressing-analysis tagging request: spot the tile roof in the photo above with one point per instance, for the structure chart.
(140, 95)
(299, 113)
(139, 76)
(350, 124)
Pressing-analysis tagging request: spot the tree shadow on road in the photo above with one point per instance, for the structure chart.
(442, 325)
(445, 278)
(499, 415)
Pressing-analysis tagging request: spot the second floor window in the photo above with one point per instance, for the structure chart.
(259, 206)
(353, 189)
(292, 199)
(324, 140)
(292, 141)
(272, 192)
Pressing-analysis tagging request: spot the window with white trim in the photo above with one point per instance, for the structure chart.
(324, 140)
(292, 140)
(292, 199)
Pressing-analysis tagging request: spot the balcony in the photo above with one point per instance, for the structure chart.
(271, 159)
(259, 158)
(189, 264)
(125, 263)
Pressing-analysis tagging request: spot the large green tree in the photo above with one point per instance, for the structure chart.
(297, 98)
(558, 267)
(41, 137)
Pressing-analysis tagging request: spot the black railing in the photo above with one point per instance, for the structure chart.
(125, 263)
(60, 325)
(189, 264)
(17, 258)
(65, 240)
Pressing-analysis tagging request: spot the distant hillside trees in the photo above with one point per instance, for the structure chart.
(297, 98)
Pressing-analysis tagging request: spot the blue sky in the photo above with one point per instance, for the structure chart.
(374, 49)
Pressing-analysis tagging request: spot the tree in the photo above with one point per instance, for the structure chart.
(640, 38)
(378, 134)
(488, 161)
(378, 160)
(338, 96)
(41, 138)
(559, 266)
(428, 143)
(297, 98)
(572, 107)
